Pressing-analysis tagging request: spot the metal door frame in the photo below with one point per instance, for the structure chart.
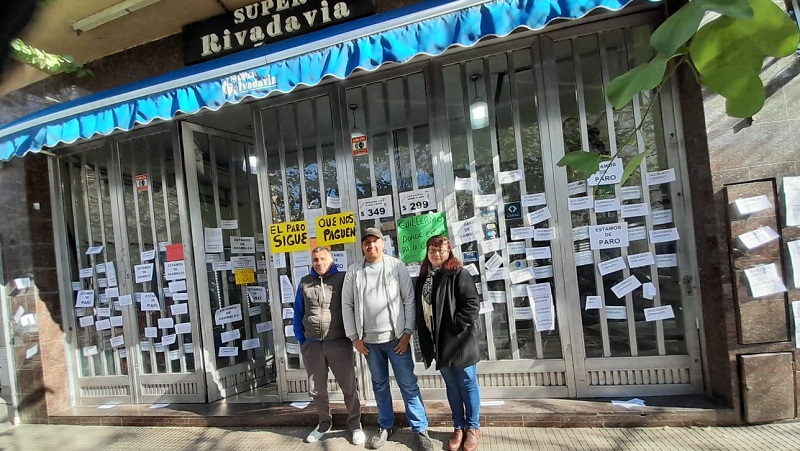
(286, 376)
(682, 210)
(133, 380)
(215, 389)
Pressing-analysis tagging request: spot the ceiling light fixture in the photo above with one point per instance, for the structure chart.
(478, 108)
(111, 13)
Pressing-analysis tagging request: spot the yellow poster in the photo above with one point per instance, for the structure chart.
(288, 237)
(244, 276)
(336, 229)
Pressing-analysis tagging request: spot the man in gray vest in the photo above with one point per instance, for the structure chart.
(319, 329)
(379, 315)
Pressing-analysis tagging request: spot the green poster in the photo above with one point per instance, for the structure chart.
(413, 233)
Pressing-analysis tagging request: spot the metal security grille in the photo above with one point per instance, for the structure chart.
(121, 211)
(650, 204)
(237, 321)
(303, 177)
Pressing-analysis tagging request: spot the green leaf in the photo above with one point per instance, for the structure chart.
(729, 53)
(47, 62)
(681, 26)
(631, 167)
(581, 162)
(743, 91)
(645, 77)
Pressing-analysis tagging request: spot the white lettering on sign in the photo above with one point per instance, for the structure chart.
(417, 201)
(609, 173)
(608, 236)
(375, 207)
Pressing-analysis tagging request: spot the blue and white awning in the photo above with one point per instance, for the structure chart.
(428, 27)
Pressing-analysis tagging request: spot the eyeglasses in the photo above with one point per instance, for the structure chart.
(438, 251)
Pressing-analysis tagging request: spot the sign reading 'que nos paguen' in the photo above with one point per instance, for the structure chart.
(263, 23)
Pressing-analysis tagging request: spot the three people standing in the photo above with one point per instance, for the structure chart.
(376, 307)
(447, 311)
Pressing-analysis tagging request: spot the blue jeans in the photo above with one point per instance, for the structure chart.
(403, 366)
(464, 395)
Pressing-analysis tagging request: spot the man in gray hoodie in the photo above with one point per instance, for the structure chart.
(379, 314)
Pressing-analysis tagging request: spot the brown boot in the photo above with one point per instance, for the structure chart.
(455, 440)
(471, 439)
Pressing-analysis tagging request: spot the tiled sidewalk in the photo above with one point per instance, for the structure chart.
(31, 437)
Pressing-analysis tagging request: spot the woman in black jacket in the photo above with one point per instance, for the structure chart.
(447, 310)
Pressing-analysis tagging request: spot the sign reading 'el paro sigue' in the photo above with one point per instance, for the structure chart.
(336, 229)
(288, 237)
(265, 22)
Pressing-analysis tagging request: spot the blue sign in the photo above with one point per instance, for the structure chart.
(513, 210)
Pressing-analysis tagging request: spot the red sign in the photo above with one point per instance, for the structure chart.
(359, 142)
(141, 183)
(174, 252)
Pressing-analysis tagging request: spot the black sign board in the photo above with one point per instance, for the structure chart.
(513, 210)
(263, 23)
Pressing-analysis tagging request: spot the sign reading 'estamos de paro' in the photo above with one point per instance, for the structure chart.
(265, 22)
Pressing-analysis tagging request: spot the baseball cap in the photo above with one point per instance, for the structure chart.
(372, 231)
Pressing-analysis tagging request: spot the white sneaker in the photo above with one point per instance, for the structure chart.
(317, 433)
(359, 437)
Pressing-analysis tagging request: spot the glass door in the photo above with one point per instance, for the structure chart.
(301, 180)
(503, 209)
(633, 307)
(232, 280)
(122, 237)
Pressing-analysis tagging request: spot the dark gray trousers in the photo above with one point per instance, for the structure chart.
(337, 355)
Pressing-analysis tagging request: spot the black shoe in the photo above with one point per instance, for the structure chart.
(379, 438)
(422, 441)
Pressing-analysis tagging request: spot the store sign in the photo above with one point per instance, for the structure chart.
(265, 22)
(513, 210)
